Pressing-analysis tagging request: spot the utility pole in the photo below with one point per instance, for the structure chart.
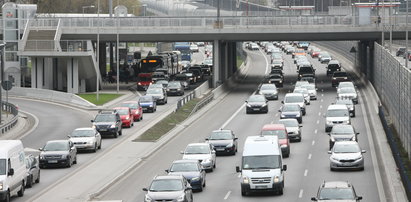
(406, 36)
(98, 51)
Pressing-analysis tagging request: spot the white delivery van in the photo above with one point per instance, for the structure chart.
(13, 169)
(261, 165)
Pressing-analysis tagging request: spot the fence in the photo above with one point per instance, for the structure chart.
(12, 109)
(181, 102)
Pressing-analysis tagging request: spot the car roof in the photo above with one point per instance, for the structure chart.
(161, 177)
(223, 130)
(346, 142)
(186, 161)
(84, 128)
(198, 144)
(293, 94)
(131, 101)
(337, 106)
(52, 141)
(336, 184)
(285, 120)
(273, 127)
(121, 108)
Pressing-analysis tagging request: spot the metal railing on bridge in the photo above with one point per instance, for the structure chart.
(64, 45)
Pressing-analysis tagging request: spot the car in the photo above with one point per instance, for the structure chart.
(254, 47)
(191, 170)
(175, 88)
(169, 188)
(224, 141)
(108, 122)
(58, 153)
(163, 82)
(293, 128)
(86, 139)
(347, 102)
(312, 90)
(348, 92)
(305, 93)
(300, 58)
(158, 94)
(256, 103)
(191, 77)
(33, 170)
(315, 52)
(298, 52)
(333, 66)
(269, 91)
(346, 155)
(342, 133)
(277, 64)
(304, 70)
(336, 114)
(400, 51)
(295, 98)
(308, 77)
(291, 110)
(184, 80)
(276, 71)
(143, 81)
(336, 191)
(207, 65)
(197, 73)
(405, 55)
(344, 84)
(298, 84)
(200, 44)
(324, 57)
(135, 108)
(289, 50)
(156, 85)
(204, 152)
(127, 118)
(275, 78)
(280, 131)
(148, 103)
(338, 77)
(158, 76)
(185, 64)
(194, 48)
(303, 63)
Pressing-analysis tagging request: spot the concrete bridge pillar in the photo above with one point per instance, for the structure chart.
(224, 61)
(37, 75)
(72, 76)
(232, 58)
(216, 80)
(48, 73)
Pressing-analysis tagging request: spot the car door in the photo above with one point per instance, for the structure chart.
(187, 189)
(72, 150)
(98, 137)
(213, 155)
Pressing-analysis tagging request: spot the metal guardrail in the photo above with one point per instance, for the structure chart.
(181, 102)
(202, 103)
(12, 109)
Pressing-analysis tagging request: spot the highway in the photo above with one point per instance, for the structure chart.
(308, 164)
(57, 121)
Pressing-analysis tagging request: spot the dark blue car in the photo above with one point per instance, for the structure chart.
(148, 103)
(191, 170)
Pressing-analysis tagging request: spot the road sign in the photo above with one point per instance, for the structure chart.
(7, 85)
(353, 50)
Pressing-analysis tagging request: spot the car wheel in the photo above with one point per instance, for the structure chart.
(331, 169)
(115, 135)
(299, 139)
(75, 159)
(141, 117)
(69, 163)
(95, 147)
(20, 193)
(281, 191)
(215, 164)
(200, 189)
(38, 178)
(7, 198)
(243, 192)
(204, 184)
(120, 132)
(99, 146)
(29, 182)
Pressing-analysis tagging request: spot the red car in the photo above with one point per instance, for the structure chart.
(144, 80)
(280, 131)
(135, 108)
(315, 54)
(126, 116)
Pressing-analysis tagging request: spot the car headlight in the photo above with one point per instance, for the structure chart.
(113, 126)
(1, 185)
(358, 158)
(207, 160)
(127, 118)
(329, 122)
(334, 78)
(90, 142)
(147, 198)
(276, 179)
(282, 115)
(168, 89)
(64, 156)
(230, 145)
(264, 105)
(93, 126)
(41, 157)
(150, 105)
(351, 108)
(284, 146)
(181, 198)
(280, 81)
(298, 115)
(348, 122)
(246, 180)
(332, 139)
(195, 179)
(248, 105)
(353, 138)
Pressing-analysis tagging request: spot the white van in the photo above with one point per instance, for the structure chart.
(13, 171)
(262, 168)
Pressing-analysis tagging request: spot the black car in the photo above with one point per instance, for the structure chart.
(293, 111)
(224, 141)
(336, 190)
(185, 81)
(108, 122)
(303, 70)
(191, 170)
(58, 153)
(341, 132)
(256, 103)
(190, 75)
(276, 79)
(333, 66)
(148, 103)
(198, 68)
(197, 73)
(175, 88)
(400, 52)
(169, 188)
(33, 170)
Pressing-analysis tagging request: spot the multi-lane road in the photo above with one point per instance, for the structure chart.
(308, 164)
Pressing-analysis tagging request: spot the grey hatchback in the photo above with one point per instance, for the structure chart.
(169, 188)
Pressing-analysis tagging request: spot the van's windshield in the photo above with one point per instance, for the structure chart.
(2, 166)
(261, 162)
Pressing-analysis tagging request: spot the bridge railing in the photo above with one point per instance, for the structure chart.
(207, 21)
(65, 45)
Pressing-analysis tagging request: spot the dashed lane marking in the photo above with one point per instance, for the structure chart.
(315, 131)
(305, 173)
(309, 156)
(319, 113)
(301, 193)
(318, 121)
(313, 142)
(227, 195)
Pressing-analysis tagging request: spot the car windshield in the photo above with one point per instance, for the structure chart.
(156, 85)
(301, 90)
(346, 148)
(347, 90)
(275, 76)
(122, 111)
(174, 84)
(261, 162)
(146, 99)
(277, 62)
(221, 135)
(82, 133)
(130, 105)
(166, 185)
(343, 129)
(154, 91)
(345, 84)
(208, 62)
(308, 87)
(280, 133)
(268, 87)
(144, 78)
(105, 118)
(197, 149)
(161, 82)
(2, 166)
(184, 167)
(293, 99)
(337, 113)
(256, 99)
(336, 193)
(340, 74)
(56, 146)
(289, 123)
(291, 108)
(344, 101)
(181, 78)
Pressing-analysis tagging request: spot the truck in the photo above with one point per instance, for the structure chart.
(261, 166)
(184, 48)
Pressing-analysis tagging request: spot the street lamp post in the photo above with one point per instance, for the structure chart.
(406, 35)
(84, 7)
(98, 51)
(2, 67)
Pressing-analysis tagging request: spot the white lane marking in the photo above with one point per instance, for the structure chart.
(139, 94)
(321, 106)
(227, 195)
(305, 173)
(313, 142)
(319, 113)
(232, 116)
(266, 62)
(276, 114)
(316, 131)
(239, 175)
(309, 156)
(301, 193)
(321, 100)
(318, 121)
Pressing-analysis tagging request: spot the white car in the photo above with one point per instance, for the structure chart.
(194, 48)
(305, 93)
(348, 92)
(345, 84)
(312, 90)
(86, 139)
(296, 98)
(204, 152)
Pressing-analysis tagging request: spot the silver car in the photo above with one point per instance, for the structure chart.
(269, 91)
(347, 102)
(346, 155)
(312, 90)
(305, 93)
(293, 128)
(204, 152)
(158, 94)
(295, 98)
(86, 139)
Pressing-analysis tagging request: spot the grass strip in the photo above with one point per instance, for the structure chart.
(168, 123)
(103, 97)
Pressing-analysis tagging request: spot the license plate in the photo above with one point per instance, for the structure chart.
(103, 129)
(255, 109)
(261, 187)
(220, 149)
(52, 161)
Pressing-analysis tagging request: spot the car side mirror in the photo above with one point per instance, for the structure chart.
(284, 167)
(207, 139)
(363, 151)
(91, 121)
(357, 133)
(145, 189)
(300, 126)
(237, 169)
(188, 187)
(236, 138)
(282, 102)
(279, 110)
(40, 149)
(246, 101)
(167, 171)
(213, 151)
(329, 134)
(329, 152)
(181, 152)
(68, 136)
(313, 199)
(359, 197)
(11, 172)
